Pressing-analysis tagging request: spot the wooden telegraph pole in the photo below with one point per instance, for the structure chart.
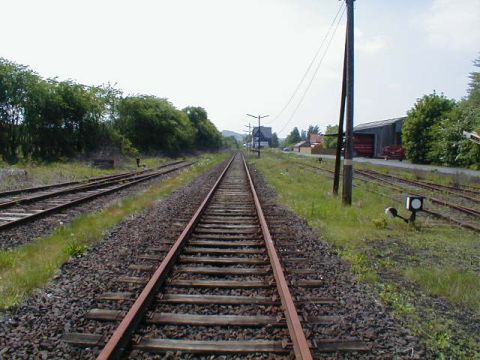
(338, 158)
(348, 158)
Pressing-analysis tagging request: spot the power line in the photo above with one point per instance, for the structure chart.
(314, 74)
(309, 66)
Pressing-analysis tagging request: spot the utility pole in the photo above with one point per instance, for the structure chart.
(338, 158)
(258, 131)
(249, 134)
(348, 158)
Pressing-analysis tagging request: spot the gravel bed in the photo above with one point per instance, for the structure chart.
(25, 233)
(35, 329)
(363, 317)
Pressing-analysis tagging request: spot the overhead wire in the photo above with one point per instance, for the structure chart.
(314, 73)
(342, 4)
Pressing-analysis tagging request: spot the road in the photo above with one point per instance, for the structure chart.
(404, 165)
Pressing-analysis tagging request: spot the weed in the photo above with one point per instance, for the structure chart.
(380, 223)
(399, 303)
(460, 287)
(74, 249)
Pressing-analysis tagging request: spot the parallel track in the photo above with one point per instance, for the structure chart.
(222, 272)
(471, 213)
(22, 209)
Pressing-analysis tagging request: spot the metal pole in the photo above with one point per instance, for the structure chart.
(258, 134)
(258, 130)
(338, 158)
(347, 162)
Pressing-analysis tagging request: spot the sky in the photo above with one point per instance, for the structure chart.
(248, 56)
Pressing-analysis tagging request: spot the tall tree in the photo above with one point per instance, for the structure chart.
(294, 137)
(207, 136)
(152, 124)
(330, 142)
(15, 84)
(275, 141)
(312, 130)
(303, 135)
(418, 131)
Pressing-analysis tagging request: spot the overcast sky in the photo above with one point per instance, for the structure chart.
(247, 56)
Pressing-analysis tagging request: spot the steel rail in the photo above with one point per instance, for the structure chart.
(386, 184)
(88, 197)
(121, 336)
(56, 185)
(434, 200)
(83, 186)
(433, 187)
(300, 344)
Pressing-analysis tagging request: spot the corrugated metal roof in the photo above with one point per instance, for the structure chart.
(375, 124)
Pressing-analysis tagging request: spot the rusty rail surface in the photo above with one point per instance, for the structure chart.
(122, 334)
(102, 186)
(223, 238)
(387, 184)
(300, 345)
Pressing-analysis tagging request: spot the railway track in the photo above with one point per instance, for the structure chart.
(467, 213)
(219, 288)
(20, 206)
(468, 194)
(11, 194)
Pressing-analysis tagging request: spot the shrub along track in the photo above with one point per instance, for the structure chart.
(23, 217)
(336, 307)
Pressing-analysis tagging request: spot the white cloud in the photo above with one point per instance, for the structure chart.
(372, 45)
(454, 24)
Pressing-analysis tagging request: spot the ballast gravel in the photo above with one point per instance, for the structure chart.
(35, 329)
(27, 232)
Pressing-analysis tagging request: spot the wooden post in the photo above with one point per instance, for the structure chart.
(338, 158)
(348, 158)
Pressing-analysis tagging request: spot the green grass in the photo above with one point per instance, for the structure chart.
(421, 258)
(31, 266)
(55, 172)
(460, 287)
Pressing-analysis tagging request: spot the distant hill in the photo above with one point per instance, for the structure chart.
(228, 133)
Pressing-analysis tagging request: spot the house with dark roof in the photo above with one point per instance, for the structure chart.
(265, 135)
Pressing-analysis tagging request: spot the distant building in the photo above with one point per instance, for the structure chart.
(371, 138)
(316, 139)
(265, 135)
(302, 146)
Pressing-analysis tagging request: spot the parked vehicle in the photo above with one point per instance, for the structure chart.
(396, 152)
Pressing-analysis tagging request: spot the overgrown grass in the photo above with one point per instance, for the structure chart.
(460, 287)
(31, 266)
(46, 173)
(377, 246)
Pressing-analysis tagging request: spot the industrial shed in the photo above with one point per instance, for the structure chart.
(370, 138)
